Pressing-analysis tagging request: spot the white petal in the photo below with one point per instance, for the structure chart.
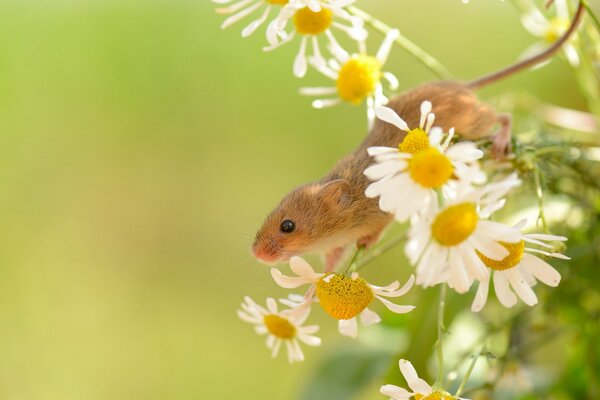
(543, 236)
(252, 26)
(416, 384)
(388, 115)
(348, 327)
(435, 136)
(335, 48)
(487, 246)
(425, 110)
(386, 46)
(236, 17)
(503, 291)
(373, 151)
(380, 170)
(303, 269)
(459, 278)
(317, 91)
(392, 80)
(571, 54)
(543, 271)
(535, 22)
(369, 317)
(389, 292)
(464, 152)
(234, 7)
(481, 295)
(521, 288)
(499, 232)
(398, 309)
(287, 282)
(324, 103)
(300, 64)
(395, 392)
(309, 339)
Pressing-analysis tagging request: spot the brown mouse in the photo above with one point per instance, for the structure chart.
(332, 214)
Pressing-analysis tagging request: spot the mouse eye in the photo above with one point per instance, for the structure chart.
(288, 226)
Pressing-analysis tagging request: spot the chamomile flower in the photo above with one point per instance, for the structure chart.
(445, 243)
(550, 30)
(281, 327)
(243, 8)
(357, 77)
(345, 298)
(519, 270)
(407, 176)
(311, 19)
(421, 390)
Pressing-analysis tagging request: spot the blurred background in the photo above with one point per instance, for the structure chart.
(141, 147)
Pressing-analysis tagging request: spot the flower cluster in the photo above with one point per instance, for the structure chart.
(440, 188)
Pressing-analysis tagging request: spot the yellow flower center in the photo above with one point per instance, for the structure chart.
(358, 78)
(430, 168)
(415, 141)
(515, 254)
(455, 224)
(435, 396)
(308, 22)
(279, 327)
(343, 297)
(278, 2)
(556, 28)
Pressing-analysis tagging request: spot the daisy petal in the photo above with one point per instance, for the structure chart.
(388, 115)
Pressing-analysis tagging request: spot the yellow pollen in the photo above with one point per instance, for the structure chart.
(556, 28)
(343, 297)
(435, 396)
(415, 141)
(430, 168)
(308, 22)
(358, 78)
(515, 253)
(455, 224)
(279, 327)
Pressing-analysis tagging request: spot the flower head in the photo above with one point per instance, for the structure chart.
(519, 270)
(444, 243)
(243, 8)
(421, 390)
(406, 177)
(358, 77)
(281, 327)
(311, 19)
(344, 297)
(550, 30)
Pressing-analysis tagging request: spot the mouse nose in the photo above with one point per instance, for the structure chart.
(267, 253)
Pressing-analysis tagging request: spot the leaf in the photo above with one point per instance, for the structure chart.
(343, 374)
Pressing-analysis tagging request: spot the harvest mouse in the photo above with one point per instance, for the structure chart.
(332, 214)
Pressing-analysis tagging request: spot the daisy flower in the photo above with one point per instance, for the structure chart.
(280, 327)
(357, 77)
(407, 176)
(519, 270)
(243, 8)
(345, 298)
(313, 18)
(550, 30)
(445, 243)
(421, 390)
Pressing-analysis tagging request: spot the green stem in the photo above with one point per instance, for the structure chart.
(440, 332)
(359, 249)
(591, 14)
(540, 197)
(468, 373)
(426, 59)
(378, 251)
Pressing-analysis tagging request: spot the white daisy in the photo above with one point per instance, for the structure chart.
(357, 77)
(421, 390)
(407, 176)
(243, 8)
(281, 327)
(550, 30)
(313, 18)
(444, 243)
(519, 270)
(343, 297)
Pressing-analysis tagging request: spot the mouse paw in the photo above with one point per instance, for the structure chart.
(368, 241)
(501, 147)
(332, 258)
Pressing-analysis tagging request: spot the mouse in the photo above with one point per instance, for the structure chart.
(331, 215)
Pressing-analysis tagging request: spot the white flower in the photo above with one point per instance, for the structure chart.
(519, 270)
(281, 327)
(312, 18)
(357, 77)
(443, 243)
(550, 30)
(343, 297)
(407, 176)
(243, 8)
(420, 388)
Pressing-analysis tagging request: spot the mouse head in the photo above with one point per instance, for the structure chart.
(303, 221)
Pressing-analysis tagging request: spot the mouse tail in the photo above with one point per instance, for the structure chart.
(531, 61)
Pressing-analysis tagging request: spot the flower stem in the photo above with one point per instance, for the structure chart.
(591, 14)
(378, 251)
(426, 59)
(359, 250)
(540, 197)
(468, 373)
(440, 332)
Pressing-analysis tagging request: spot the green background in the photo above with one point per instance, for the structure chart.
(141, 146)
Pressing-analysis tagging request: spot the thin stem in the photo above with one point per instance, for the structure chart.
(440, 332)
(540, 197)
(359, 249)
(425, 58)
(468, 373)
(378, 251)
(591, 14)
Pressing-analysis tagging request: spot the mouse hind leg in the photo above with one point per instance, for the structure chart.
(501, 142)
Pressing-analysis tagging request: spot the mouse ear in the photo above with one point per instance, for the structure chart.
(337, 192)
